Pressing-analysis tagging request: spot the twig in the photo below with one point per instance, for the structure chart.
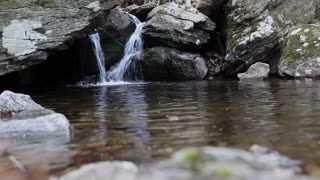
(18, 165)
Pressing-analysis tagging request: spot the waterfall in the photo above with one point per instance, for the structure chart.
(127, 65)
(95, 39)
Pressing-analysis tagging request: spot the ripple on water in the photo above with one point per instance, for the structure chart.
(147, 121)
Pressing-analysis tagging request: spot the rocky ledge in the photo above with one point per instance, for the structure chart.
(32, 30)
(21, 117)
(173, 26)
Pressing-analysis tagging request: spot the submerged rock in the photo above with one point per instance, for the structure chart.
(301, 54)
(257, 71)
(31, 30)
(20, 116)
(174, 26)
(162, 63)
(256, 28)
(200, 163)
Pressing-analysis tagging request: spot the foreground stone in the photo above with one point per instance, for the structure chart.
(31, 30)
(162, 63)
(301, 55)
(205, 163)
(257, 71)
(20, 116)
(174, 26)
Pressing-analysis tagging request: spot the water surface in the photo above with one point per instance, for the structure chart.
(147, 122)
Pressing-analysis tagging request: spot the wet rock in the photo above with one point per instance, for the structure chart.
(301, 54)
(256, 29)
(32, 30)
(162, 63)
(115, 32)
(174, 26)
(141, 11)
(257, 71)
(215, 64)
(204, 163)
(20, 116)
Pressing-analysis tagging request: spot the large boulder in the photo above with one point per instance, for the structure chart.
(21, 117)
(162, 63)
(31, 30)
(204, 163)
(141, 11)
(177, 27)
(256, 28)
(301, 54)
(116, 30)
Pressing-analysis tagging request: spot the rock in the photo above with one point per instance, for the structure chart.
(204, 163)
(116, 30)
(256, 29)
(30, 34)
(215, 64)
(17, 103)
(176, 27)
(301, 54)
(162, 63)
(100, 171)
(257, 71)
(211, 8)
(317, 15)
(141, 11)
(204, 6)
(20, 116)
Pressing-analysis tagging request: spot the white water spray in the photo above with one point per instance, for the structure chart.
(132, 51)
(95, 39)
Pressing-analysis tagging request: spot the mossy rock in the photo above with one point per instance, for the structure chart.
(301, 53)
(303, 43)
(46, 3)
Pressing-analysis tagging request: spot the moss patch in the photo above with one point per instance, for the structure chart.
(223, 171)
(192, 156)
(303, 43)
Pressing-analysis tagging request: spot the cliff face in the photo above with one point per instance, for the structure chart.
(32, 30)
(229, 36)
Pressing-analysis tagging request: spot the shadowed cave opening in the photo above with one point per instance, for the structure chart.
(61, 68)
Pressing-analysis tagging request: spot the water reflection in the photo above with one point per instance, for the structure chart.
(101, 107)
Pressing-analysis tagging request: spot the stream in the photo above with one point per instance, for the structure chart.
(146, 122)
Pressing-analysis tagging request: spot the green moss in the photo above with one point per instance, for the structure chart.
(192, 156)
(223, 171)
(46, 3)
(295, 49)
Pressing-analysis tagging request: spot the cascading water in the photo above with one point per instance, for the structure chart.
(127, 65)
(95, 39)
